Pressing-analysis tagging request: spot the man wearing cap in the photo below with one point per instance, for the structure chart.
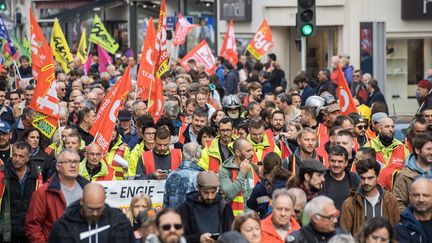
(205, 212)
(424, 95)
(310, 178)
(5, 146)
(390, 152)
(360, 128)
(126, 130)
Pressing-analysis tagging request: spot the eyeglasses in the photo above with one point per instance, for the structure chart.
(357, 76)
(69, 162)
(167, 227)
(331, 217)
(362, 127)
(150, 133)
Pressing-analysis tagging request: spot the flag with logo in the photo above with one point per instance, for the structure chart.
(45, 100)
(104, 59)
(201, 54)
(60, 47)
(229, 47)
(262, 41)
(183, 27)
(161, 42)
(9, 48)
(343, 92)
(146, 77)
(82, 48)
(108, 111)
(99, 35)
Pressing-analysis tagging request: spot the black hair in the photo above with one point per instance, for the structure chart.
(338, 151)
(363, 166)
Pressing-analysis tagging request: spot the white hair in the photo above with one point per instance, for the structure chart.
(316, 205)
(299, 194)
(342, 238)
(191, 152)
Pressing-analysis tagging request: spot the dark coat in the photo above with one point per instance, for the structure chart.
(7, 116)
(310, 235)
(409, 229)
(376, 96)
(307, 92)
(327, 85)
(231, 83)
(42, 161)
(69, 227)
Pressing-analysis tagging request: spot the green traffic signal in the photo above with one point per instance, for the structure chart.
(306, 30)
(2, 6)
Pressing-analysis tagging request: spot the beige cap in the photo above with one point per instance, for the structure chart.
(208, 179)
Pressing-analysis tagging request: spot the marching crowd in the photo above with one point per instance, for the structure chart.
(247, 155)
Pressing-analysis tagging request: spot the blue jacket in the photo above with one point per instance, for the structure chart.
(231, 83)
(180, 182)
(307, 91)
(409, 229)
(219, 72)
(267, 87)
(411, 164)
(260, 198)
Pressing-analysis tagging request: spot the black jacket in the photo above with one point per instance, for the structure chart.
(193, 207)
(308, 234)
(69, 227)
(43, 161)
(7, 115)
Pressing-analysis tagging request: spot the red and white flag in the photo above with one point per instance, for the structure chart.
(107, 114)
(146, 77)
(229, 47)
(262, 41)
(343, 92)
(161, 42)
(183, 28)
(201, 54)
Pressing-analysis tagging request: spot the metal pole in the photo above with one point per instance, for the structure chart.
(303, 53)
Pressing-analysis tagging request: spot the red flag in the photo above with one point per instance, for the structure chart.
(229, 47)
(156, 101)
(183, 28)
(161, 42)
(346, 101)
(262, 41)
(107, 114)
(146, 70)
(201, 54)
(45, 98)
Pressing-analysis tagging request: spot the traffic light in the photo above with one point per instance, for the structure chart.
(306, 18)
(2, 5)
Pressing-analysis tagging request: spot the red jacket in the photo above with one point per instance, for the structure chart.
(269, 233)
(46, 206)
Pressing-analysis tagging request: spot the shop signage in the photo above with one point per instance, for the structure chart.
(416, 9)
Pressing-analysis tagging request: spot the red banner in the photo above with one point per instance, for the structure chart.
(45, 98)
(343, 92)
(229, 47)
(183, 28)
(201, 54)
(161, 42)
(146, 78)
(107, 114)
(262, 41)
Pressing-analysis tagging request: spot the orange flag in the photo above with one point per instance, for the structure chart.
(107, 114)
(161, 42)
(201, 54)
(156, 101)
(262, 41)
(343, 92)
(146, 70)
(229, 47)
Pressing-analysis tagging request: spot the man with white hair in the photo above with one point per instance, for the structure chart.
(323, 217)
(300, 201)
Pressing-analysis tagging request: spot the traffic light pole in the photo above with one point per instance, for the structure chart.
(303, 53)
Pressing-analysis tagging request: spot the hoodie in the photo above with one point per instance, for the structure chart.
(410, 230)
(113, 226)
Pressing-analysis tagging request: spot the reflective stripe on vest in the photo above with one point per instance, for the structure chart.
(294, 164)
(237, 203)
(390, 169)
(149, 161)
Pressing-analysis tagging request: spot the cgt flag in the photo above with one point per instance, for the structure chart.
(107, 114)
(45, 100)
(229, 47)
(60, 47)
(146, 77)
(262, 41)
(346, 101)
(183, 28)
(161, 42)
(82, 48)
(201, 54)
(99, 35)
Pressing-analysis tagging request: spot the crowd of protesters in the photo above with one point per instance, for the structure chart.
(246, 156)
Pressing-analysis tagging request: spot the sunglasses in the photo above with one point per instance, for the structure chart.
(167, 227)
(362, 127)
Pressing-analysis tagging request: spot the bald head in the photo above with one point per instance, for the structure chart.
(420, 197)
(386, 128)
(93, 192)
(93, 203)
(239, 143)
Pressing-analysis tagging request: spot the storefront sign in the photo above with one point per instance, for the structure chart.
(416, 9)
(237, 10)
(120, 193)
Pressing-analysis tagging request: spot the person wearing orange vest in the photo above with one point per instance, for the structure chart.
(189, 133)
(418, 126)
(281, 222)
(330, 113)
(390, 153)
(158, 162)
(254, 93)
(262, 145)
(219, 150)
(360, 128)
(307, 141)
(18, 180)
(238, 176)
(345, 138)
(323, 150)
(118, 156)
(93, 167)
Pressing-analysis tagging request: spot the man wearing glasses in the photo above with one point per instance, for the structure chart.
(93, 167)
(360, 128)
(49, 202)
(323, 217)
(169, 227)
(358, 89)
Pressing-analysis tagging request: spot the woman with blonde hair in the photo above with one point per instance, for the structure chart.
(249, 225)
(139, 202)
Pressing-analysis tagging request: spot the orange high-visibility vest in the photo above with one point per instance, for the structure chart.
(237, 204)
(390, 169)
(214, 164)
(149, 161)
(321, 151)
(181, 131)
(265, 151)
(322, 133)
(408, 145)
